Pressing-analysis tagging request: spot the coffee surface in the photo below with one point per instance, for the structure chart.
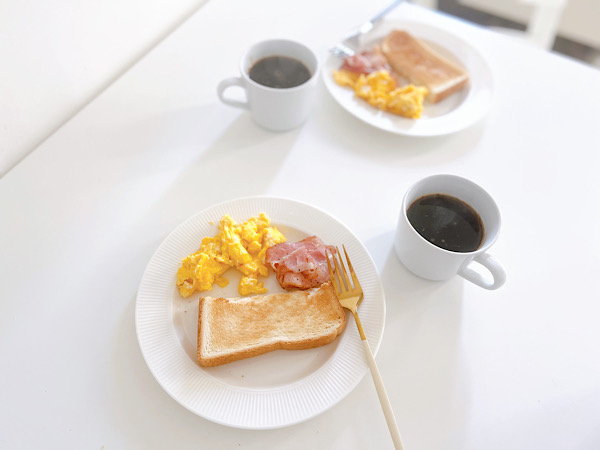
(279, 72)
(447, 222)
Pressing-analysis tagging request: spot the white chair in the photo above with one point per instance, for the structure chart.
(543, 23)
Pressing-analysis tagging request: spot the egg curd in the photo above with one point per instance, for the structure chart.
(241, 246)
(379, 90)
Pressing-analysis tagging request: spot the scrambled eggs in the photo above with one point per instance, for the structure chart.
(379, 89)
(241, 246)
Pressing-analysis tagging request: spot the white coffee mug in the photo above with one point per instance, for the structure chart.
(435, 263)
(275, 109)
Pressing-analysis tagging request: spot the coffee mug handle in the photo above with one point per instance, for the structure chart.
(227, 83)
(491, 264)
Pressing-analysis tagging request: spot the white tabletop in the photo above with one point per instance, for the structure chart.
(465, 368)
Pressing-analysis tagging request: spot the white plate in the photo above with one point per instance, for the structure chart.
(448, 116)
(273, 390)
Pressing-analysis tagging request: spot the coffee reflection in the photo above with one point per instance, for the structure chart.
(280, 72)
(447, 222)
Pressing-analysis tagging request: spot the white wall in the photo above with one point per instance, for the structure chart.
(56, 56)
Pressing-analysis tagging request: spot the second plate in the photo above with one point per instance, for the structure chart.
(453, 114)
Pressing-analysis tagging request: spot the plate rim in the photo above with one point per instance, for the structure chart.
(169, 327)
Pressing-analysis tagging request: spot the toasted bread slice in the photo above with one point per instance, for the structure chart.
(414, 60)
(230, 329)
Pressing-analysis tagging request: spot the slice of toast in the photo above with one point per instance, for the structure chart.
(414, 60)
(230, 329)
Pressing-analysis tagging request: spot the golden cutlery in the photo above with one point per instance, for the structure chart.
(350, 295)
(349, 46)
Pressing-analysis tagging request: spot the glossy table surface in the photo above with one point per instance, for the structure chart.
(465, 368)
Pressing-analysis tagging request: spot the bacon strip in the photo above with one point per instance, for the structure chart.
(366, 62)
(302, 264)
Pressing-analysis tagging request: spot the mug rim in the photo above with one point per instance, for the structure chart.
(479, 250)
(246, 75)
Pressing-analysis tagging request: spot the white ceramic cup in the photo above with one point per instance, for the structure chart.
(434, 263)
(273, 108)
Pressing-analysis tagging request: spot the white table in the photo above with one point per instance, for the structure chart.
(465, 368)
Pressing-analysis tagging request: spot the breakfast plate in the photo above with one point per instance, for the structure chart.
(453, 114)
(273, 390)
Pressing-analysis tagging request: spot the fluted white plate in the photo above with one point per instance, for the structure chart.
(458, 111)
(273, 390)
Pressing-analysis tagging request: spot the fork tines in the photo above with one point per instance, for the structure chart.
(342, 51)
(340, 277)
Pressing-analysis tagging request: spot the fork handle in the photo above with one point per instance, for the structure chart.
(382, 394)
(381, 14)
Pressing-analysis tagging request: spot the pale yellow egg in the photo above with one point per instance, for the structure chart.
(379, 90)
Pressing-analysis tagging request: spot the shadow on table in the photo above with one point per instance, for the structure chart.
(236, 159)
(421, 358)
(356, 136)
(224, 158)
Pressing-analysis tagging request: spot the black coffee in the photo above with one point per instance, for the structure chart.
(447, 222)
(279, 72)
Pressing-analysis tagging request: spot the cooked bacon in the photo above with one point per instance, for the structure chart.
(366, 62)
(301, 264)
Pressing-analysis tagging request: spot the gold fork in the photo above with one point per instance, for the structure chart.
(351, 295)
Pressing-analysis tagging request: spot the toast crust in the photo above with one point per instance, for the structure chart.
(230, 329)
(415, 61)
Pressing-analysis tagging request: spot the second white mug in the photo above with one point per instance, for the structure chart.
(432, 262)
(274, 108)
